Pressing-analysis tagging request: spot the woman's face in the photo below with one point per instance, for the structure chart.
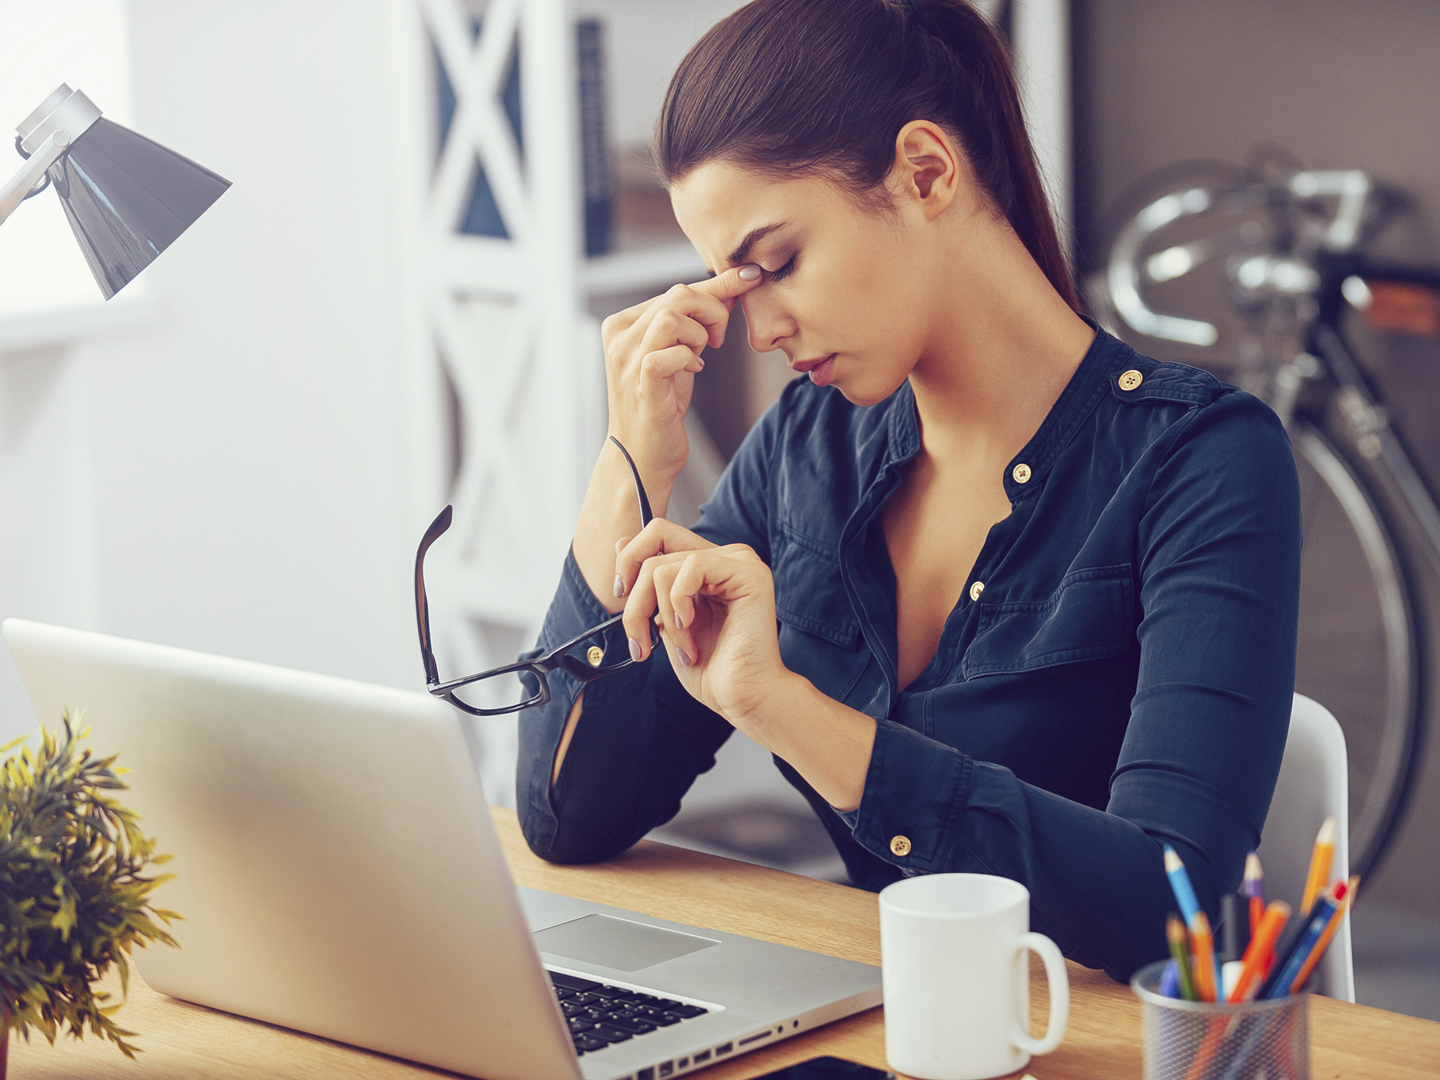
(847, 291)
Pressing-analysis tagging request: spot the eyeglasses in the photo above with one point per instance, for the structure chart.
(522, 685)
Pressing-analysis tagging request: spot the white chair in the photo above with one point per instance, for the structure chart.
(1313, 785)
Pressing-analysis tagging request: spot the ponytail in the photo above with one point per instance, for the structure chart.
(824, 87)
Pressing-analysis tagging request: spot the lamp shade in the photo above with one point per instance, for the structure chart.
(128, 198)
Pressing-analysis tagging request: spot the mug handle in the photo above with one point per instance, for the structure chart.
(1059, 996)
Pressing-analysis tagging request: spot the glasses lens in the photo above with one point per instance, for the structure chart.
(497, 692)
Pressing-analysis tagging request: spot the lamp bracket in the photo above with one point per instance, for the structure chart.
(18, 188)
(65, 110)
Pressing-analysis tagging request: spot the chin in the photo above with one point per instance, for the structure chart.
(865, 392)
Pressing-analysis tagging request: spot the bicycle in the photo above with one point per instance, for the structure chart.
(1256, 273)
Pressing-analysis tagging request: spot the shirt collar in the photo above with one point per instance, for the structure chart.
(1075, 404)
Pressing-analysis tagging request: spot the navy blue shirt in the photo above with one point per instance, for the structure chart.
(1116, 675)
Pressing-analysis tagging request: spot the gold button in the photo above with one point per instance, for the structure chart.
(976, 590)
(1021, 473)
(1131, 379)
(595, 654)
(900, 845)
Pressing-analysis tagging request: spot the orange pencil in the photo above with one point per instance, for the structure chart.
(1320, 946)
(1261, 945)
(1203, 946)
(1320, 860)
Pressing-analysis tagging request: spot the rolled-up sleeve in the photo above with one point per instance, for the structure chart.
(641, 739)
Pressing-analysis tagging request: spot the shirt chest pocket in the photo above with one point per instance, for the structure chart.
(819, 633)
(1090, 616)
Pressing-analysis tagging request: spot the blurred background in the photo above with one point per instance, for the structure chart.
(397, 305)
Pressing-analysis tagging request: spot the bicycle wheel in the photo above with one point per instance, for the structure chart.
(1358, 649)
(1358, 652)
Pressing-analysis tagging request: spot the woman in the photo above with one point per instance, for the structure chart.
(1000, 594)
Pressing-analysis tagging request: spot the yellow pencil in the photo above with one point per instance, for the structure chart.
(1320, 860)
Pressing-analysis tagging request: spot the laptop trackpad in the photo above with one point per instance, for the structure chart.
(617, 943)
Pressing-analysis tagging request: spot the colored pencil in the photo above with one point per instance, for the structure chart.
(1277, 985)
(1169, 985)
(1276, 915)
(1320, 860)
(1252, 887)
(1180, 952)
(1346, 899)
(1180, 884)
(1202, 944)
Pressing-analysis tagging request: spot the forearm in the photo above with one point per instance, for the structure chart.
(609, 512)
(828, 743)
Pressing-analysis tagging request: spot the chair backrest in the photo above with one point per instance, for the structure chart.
(1313, 784)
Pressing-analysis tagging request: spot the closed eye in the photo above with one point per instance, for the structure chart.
(783, 272)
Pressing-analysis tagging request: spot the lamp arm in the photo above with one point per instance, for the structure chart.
(14, 192)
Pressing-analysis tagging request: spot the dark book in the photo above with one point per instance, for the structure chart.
(597, 178)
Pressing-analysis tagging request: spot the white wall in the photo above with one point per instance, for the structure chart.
(232, 478)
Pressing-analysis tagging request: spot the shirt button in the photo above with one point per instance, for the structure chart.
(1021, 473)
(976, 590)
(900, 845)
(595, 654)
(1131, 379)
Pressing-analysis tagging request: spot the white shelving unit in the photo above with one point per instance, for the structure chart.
(506, 377)
(506, 373)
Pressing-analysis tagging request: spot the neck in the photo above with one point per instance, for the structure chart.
(1002, 350)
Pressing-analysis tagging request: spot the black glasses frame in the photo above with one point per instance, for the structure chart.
(585, 671)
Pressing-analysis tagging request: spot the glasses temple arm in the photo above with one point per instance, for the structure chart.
(422, 604)
(646, 516)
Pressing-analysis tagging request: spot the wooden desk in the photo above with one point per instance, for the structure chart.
(194, 1043)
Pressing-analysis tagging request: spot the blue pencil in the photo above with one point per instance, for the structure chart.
(1278, 985)
(1180, 884)
(1169, 981)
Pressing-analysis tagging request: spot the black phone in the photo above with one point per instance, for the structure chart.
(828, 1068)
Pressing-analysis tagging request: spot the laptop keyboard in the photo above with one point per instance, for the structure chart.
(599, 1015)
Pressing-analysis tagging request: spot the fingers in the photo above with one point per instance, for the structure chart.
(732, 284)
(657, 538)
(669, 326)
(656, 367)
(662, 577)
(707, 304)
(667, 588)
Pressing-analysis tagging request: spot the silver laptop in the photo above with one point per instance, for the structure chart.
(339, 874)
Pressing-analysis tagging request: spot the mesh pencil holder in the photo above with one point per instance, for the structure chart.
(1196, 1040)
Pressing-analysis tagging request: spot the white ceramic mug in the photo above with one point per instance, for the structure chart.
(957, 977)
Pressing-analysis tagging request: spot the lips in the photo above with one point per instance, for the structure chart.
(821, 371)
(807, 365)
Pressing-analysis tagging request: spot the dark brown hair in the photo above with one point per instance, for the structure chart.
(824, 87)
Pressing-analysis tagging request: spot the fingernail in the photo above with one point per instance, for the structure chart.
(684, 657)
(619, 585)
(679, 621)
(634, 649)
(749, 272)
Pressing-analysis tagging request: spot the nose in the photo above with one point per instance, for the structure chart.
(766, 321)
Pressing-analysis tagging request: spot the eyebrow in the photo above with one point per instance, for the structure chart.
(753, 237)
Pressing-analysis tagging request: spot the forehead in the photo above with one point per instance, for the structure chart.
(718, 204)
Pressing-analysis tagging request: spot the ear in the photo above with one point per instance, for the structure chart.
(929, 168)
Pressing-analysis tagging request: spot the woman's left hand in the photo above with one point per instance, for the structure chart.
(716, 610)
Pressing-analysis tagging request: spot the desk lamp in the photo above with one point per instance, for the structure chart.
(127, 197)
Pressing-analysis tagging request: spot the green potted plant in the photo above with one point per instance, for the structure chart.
(75, 889)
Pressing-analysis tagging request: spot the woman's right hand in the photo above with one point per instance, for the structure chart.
(652, 354)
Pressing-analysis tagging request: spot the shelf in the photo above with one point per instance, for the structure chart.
(645, 268)
(68, 325)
